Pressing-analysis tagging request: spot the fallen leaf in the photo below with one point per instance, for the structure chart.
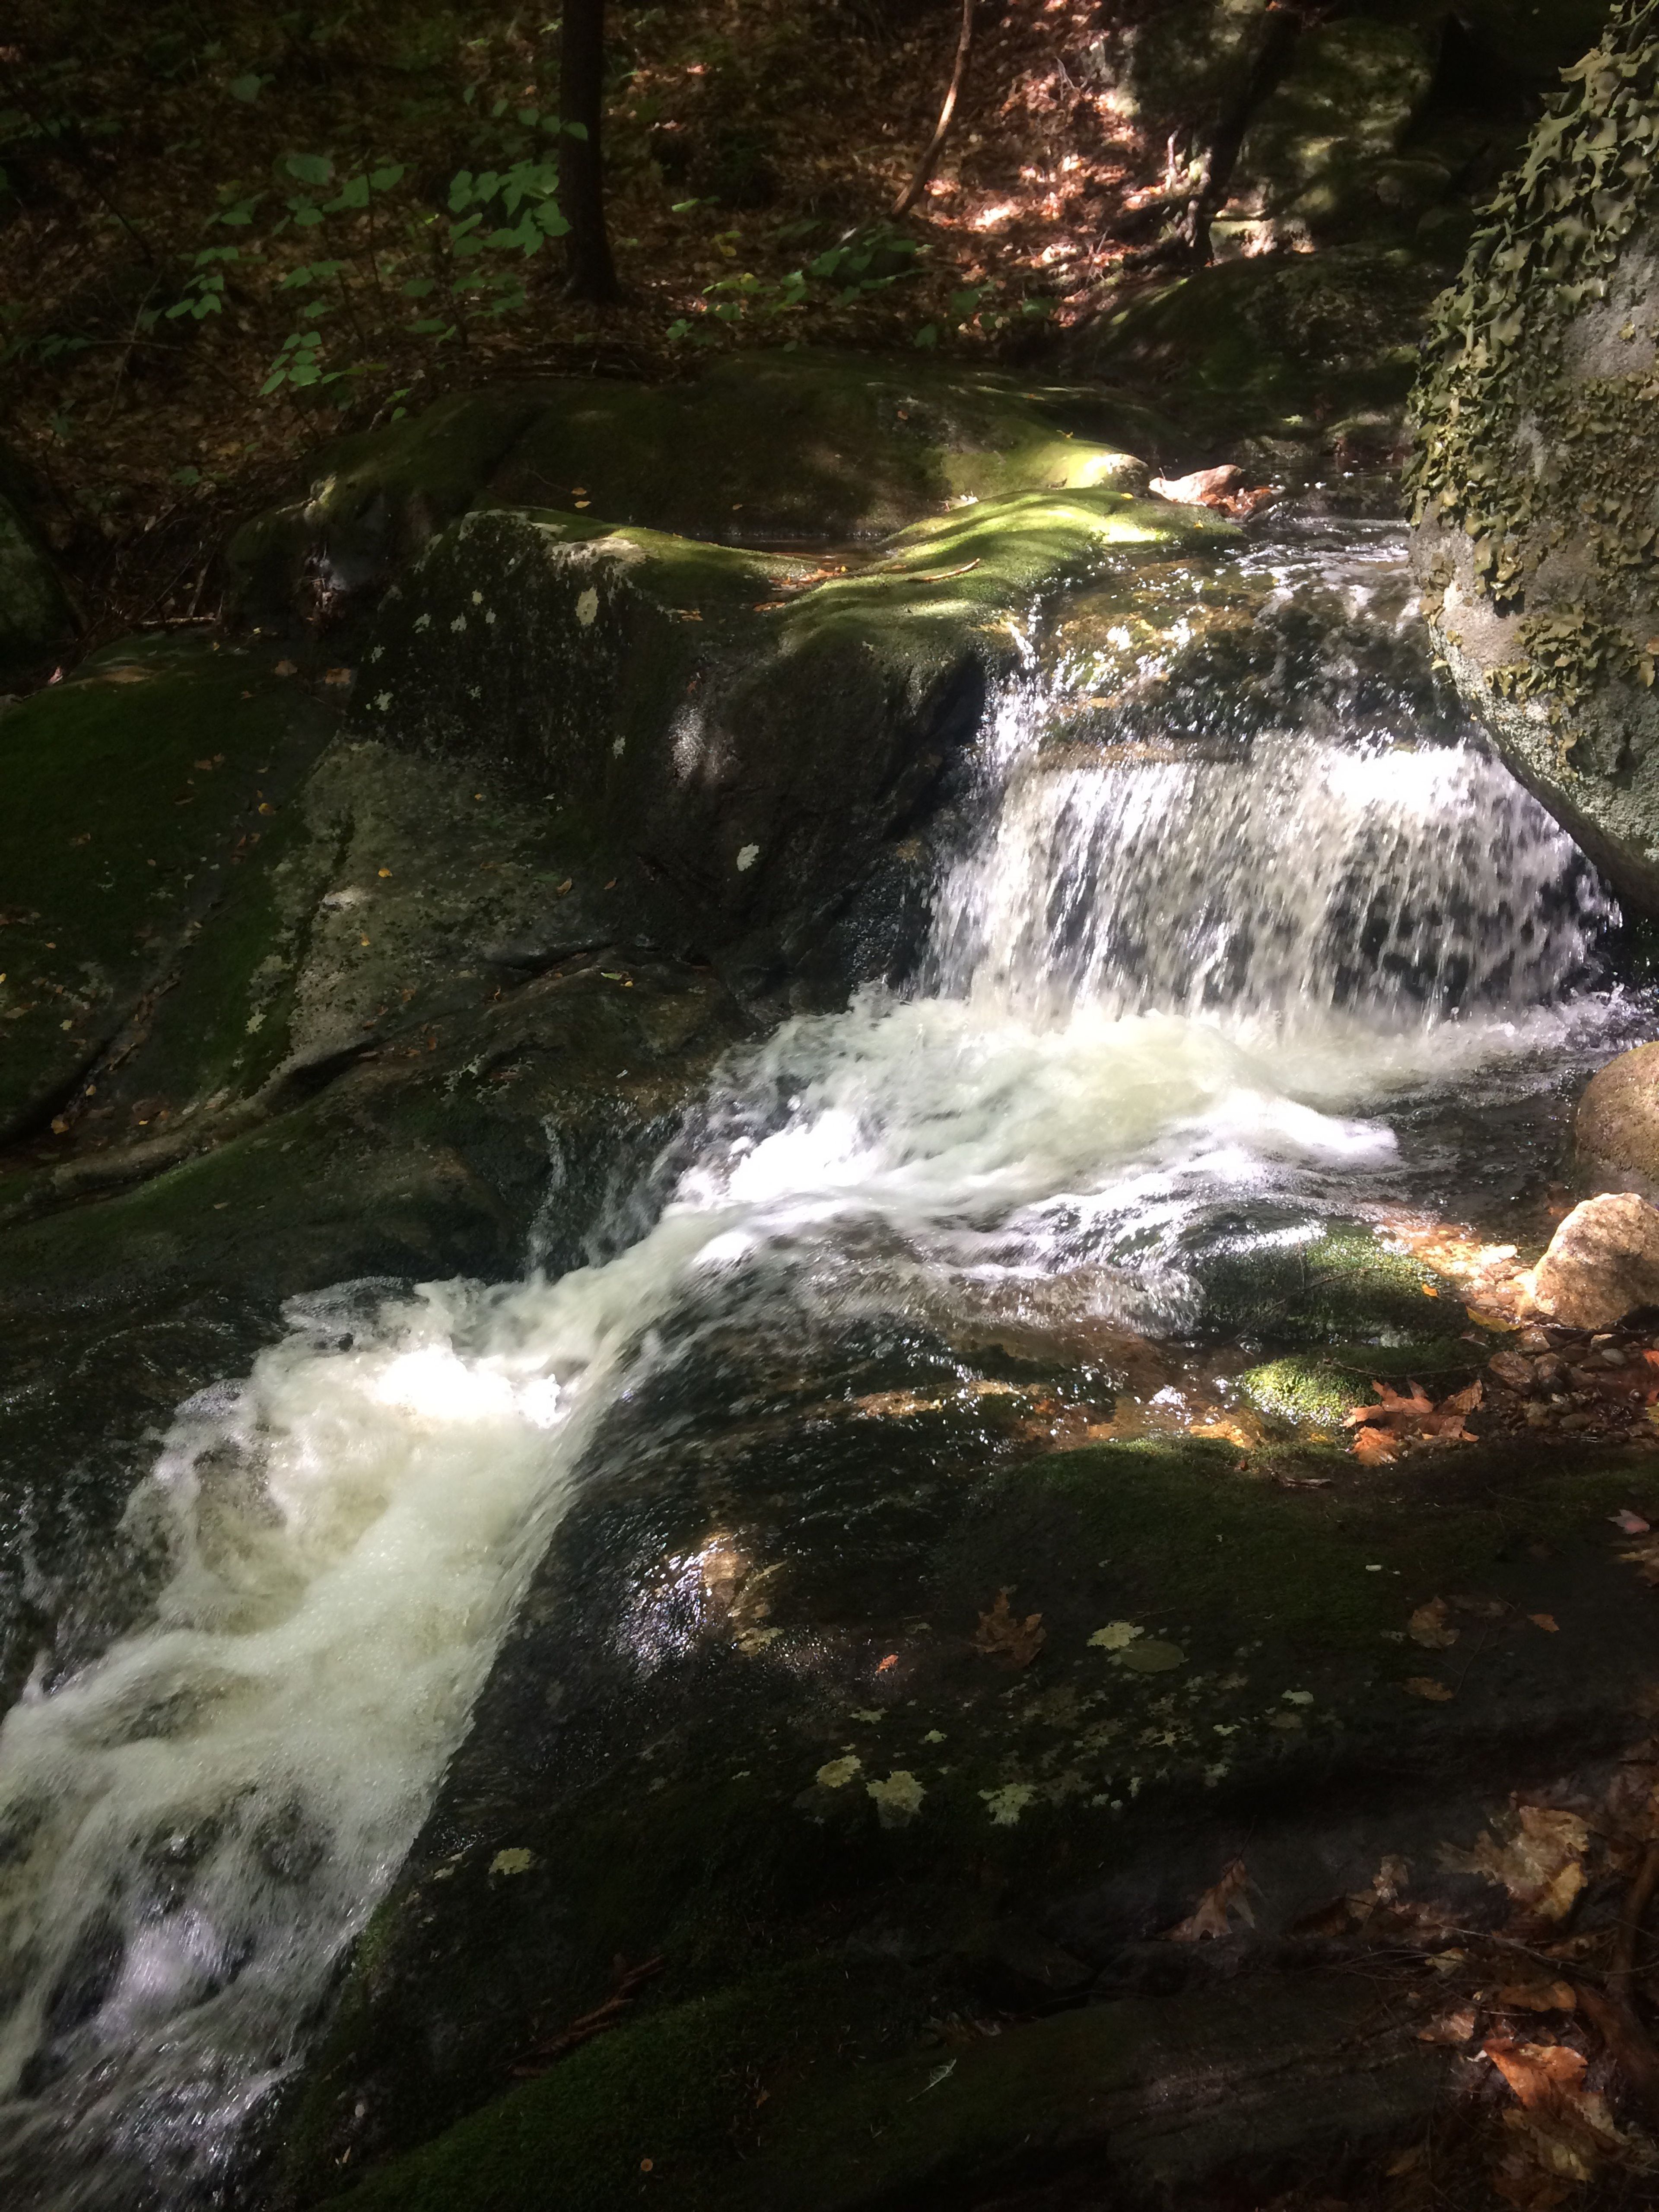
(1000, 1635)
(1646, 1558)
(1413, 1416)
(1376, 1447)
(1631, 1524)
(282, 668)
(1208, 1921)
(1117, 1635)
(1536, 1996)
(891, 1659)
(1425, 1686)
(1450, 2027)
(1546, 1621)
(1541, 1865)
(1427, 1627)
(1154, 1656)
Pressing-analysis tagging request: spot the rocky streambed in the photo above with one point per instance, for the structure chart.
(775, 1433)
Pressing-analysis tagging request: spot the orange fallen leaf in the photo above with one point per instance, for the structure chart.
(891, 1659)
(1376, 1447)
(1450, 2027)
(1425, 1686)
(1002, 1635)
(1546, 1621)
(1536, 1996)
(1208, 1921)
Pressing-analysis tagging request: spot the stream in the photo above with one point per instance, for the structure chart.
(1250, 930)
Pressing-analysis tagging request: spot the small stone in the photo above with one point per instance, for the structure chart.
(1602, 1262)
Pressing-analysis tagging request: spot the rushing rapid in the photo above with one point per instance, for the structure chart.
(1156, 984)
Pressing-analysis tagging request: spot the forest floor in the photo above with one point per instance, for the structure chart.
(227, 234)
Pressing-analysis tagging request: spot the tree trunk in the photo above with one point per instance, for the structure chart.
(912, 192)
(591, 273)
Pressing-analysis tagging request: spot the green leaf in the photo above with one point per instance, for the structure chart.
(185, 476)
(418, 288)
(247, 88)
(352, 195)
(928, 335)
(240, 212)
(384, 180)
(576, 130)
(309, 168)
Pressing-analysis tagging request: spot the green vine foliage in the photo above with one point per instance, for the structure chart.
(1515, 445)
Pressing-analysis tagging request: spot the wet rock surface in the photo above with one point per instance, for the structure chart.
(767, 1724)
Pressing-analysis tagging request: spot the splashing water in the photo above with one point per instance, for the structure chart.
(1153, 987)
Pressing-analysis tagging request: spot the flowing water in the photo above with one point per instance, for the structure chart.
(1195, 956)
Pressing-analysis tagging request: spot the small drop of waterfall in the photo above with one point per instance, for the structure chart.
(1306, 878)
(1157, 983)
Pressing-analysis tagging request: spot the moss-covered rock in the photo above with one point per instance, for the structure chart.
(770, 750)
(1318, 1389)
(767, 1761)
(762, 447)
(1536, 485)
(1273, 1276)
(139, 797)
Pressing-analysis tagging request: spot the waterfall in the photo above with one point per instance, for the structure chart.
(1156, 984)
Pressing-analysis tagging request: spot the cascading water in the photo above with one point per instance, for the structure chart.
(1157, 984)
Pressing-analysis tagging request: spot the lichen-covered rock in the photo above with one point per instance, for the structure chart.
(1535, 479)
(1602, 1263)
(1322, 157)
(1616, 1125)
(762, 447)
(772, 751)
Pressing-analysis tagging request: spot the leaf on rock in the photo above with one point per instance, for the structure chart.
(1542, 1864)
(1208, 1921)
(1002, 1635)
(1427, 1627)
(1425, 1686)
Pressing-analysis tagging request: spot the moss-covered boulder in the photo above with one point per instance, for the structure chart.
(1536, 482)
(1273, 1274)
(774, 751)
(141, 798)
(763, 447)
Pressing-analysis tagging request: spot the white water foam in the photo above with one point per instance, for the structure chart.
(1150, 993)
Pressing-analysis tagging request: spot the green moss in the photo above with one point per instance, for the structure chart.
(1194, 1539)
(1266, 1278)
(1321, 1386)
(675, 2087)
(135, 796)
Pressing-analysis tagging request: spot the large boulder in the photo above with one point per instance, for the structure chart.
(763, 448)
(1535, 479)
(1615, 1125)
(774, 748)
(1601, 1263)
